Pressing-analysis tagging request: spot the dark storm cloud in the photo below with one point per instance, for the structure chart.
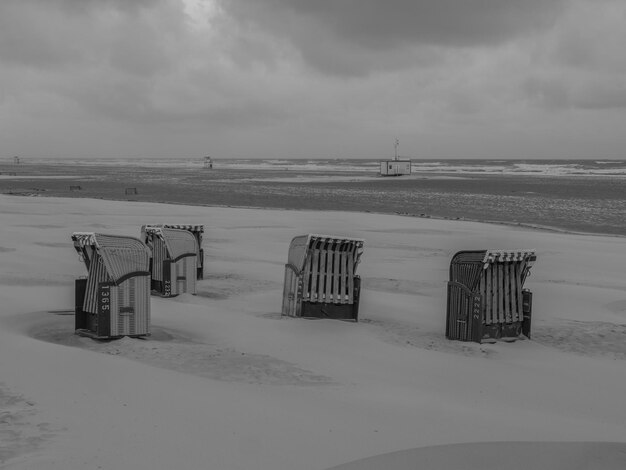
(56, 33)
(361, 27)
(582, 65)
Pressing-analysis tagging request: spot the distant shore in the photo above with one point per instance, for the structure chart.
(592, 205)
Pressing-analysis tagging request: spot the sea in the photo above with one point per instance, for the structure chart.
(582, 196)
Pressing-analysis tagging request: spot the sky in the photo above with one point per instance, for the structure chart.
(313, 78)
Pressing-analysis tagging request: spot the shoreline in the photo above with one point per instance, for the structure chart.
(571, 205)
(528, 226)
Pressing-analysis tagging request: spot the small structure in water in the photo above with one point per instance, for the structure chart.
(174, 259)
(396, 166)
(114, 300)
(208, 163)
(486, 296)
(16, 160)
(320, 278)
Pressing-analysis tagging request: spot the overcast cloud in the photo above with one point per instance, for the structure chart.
(306, 79)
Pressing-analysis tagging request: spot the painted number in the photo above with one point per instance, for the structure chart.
(105, 298)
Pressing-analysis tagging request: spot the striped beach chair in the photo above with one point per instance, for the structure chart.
(487, 300)
(197, 230)
(320, 278)
(174, 256)
(114, 300)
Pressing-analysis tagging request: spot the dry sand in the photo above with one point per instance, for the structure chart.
(225, 383)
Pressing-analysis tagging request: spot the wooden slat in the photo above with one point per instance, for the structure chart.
(336, 273)
(518, 281)
(340, 280)
(489, 294)
(286, 289)
(501, 292)
(306, 276)
(293, 286)
(344, 276)
(483, 290)
(315, 275)
(328, 288)
(321, 289)
(350, 277)
(513, 289)
(494, 293)
(506, 306)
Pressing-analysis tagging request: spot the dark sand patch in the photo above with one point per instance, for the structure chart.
(599, 339)
(617, 307)
(36, 280)
(618, 286)
(55, 245)
(272, 315)
(257, 227)
(415, 336)
(219, 256)
(179, 351)
(415, 251)
(223, 286)
(501, 456)
(401, 286)
(411, 231)
(43, 226)
(6, 250)
(592, 339)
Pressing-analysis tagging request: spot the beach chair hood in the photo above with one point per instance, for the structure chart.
(300, 245)
(179, 242)
(122, 256)
(503, 256)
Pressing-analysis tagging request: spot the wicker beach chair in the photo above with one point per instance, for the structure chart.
(114, 300)
(486, 295)
(320, 278)
(197, 230)
(174, 257)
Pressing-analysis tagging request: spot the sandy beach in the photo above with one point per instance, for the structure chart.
(224, 382)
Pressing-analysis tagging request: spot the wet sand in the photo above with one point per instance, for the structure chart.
(571, 204)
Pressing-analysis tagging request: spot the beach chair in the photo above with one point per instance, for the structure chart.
(320, 278)
(114, 300)
(486, 296)
(174, 255)
(197, 230)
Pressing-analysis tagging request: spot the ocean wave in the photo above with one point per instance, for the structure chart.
(554, 168)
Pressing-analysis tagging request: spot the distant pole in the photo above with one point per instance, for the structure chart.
(396, 148)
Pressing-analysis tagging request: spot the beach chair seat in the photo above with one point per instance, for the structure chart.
(320, 279)
(114, 299)
(173, 266)
(486, 296)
